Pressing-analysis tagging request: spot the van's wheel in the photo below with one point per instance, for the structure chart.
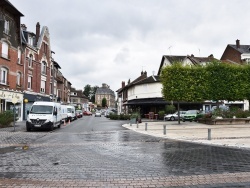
(51, 127)
(59, 126)
(28, 128)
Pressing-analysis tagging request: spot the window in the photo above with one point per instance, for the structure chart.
(19, 56)
(4, 73)
(29, 82)
(18, 79)
(45, 47)
(30, 40)
(30, 60)
(5, 50)
(6, 27)
(43, 83)
(43, 67)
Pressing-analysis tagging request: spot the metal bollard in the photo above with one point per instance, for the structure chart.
(164, 129)
(137, 126)
(146, 126)
(209, 134)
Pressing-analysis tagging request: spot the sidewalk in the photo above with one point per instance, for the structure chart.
(237, 136)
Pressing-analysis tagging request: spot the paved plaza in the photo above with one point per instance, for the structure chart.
(130, 158)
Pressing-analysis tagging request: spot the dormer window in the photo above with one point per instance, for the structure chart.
(30, 40)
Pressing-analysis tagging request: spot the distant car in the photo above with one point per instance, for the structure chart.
(98, 114)
(79, 113)
(87, 113)
(174, 116)
(191, 115)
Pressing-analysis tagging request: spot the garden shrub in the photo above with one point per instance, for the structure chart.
(6, 118)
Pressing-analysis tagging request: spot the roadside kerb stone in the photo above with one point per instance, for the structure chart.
(223, 135)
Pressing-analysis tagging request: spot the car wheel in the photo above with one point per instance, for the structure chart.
(172, 118)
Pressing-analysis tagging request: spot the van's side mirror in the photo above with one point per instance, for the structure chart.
(55, 113)
(28, 112)
(72, 111)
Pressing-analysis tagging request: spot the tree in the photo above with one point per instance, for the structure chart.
(87, 91)
(104, 102)
(93, 91)
(216, 81)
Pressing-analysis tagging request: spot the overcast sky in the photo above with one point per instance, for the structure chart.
(110, 41)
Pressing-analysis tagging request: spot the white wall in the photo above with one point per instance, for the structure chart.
(150, 90)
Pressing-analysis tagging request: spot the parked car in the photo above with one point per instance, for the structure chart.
(191, 115)
(87, 113)
(174, 116)
(98, 114)
(78, 113)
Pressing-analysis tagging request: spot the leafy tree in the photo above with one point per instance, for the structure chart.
(215, 81)
(87, 91)
(93, 91)
(104, 102)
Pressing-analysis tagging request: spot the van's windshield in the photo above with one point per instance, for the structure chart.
(40, 109)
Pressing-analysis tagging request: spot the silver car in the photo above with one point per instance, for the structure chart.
(98, 114)
(174, 116)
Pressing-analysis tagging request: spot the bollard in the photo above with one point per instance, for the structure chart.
(164, 129)
(130, 124)
(137, 126)
(146, 126)
(209, 134)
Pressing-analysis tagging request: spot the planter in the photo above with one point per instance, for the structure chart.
(225, 121)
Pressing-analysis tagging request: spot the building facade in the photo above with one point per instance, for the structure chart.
(11, 66)
(107, 93)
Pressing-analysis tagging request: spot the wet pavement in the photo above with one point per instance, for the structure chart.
(119, 158)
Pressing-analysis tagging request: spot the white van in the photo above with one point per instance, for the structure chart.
(44, 115)
(71, 112)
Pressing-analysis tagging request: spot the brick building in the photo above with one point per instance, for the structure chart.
(11, 66)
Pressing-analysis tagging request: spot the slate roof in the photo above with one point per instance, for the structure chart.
(242, 49)
(172, 59)
(148, 80)
(105, 90)
(141, 77)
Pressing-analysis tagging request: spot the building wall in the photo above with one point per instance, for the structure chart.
(150, 90)
(232, 55)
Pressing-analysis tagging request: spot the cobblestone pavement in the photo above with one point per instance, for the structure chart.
(116, 159)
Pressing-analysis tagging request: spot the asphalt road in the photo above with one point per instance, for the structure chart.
(97, 152)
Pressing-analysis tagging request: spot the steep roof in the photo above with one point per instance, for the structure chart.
(148, 80)
(141, 77)
(242, 49)
(172, 59)
(105, 90)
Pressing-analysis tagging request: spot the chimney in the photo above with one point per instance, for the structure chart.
(211, 56)
(23, 26)
(192, 55)
(141, 72)
(145, 73)
(37, 31)
(237, 43)
(123, 84)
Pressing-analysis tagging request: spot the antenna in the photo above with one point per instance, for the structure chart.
(199, 51)
(169, 48)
